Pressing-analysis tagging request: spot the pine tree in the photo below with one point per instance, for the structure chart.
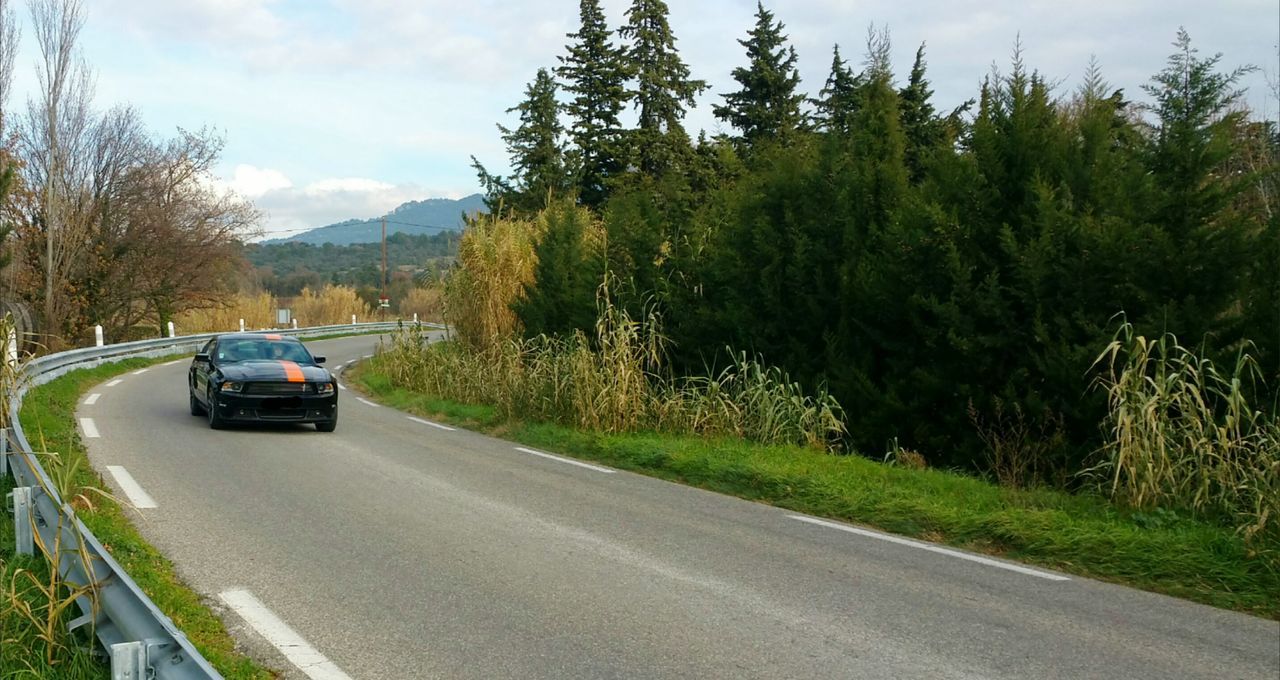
(921, 126)
(837, 102)
(663, 88)
(768, 106)
(537, 156)
(595, 73)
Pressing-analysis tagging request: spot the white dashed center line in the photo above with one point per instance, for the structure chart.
(92, 399)
(140, 371)
(570, 461)
(89, 428)
(115, 382)
(170, 363)
(932, 548)
(139, 498)
(446, 428)
(310, 661)
(341, 386)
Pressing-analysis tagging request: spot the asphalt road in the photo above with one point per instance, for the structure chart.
(395, 549)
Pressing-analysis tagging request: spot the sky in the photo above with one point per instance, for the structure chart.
(338, 109)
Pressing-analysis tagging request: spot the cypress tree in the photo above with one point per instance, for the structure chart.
(767, 106)
(663, 88)
(921, 127)
(569, 270)
(595, 74)
(837, 102)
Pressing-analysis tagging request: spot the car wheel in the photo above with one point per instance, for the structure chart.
(196, 408)
(328, 425)
(215, 421)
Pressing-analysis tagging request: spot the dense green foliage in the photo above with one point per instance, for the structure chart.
(950, 276)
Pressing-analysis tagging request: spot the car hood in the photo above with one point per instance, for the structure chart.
(270, 370)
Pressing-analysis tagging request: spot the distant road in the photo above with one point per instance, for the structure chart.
(397, 549)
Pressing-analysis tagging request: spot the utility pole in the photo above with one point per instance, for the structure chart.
(383, 302)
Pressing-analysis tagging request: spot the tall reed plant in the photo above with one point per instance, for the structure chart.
(1183, 434)
(615, 381)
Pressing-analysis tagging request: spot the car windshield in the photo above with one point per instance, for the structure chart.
(251, 349)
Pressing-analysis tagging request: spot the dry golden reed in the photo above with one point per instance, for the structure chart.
(1183, 435)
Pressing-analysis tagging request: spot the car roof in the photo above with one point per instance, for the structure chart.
(258, 336)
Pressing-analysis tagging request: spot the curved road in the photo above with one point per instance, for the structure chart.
(395, 549)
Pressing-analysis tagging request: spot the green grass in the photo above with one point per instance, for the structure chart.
(1079, 534)
(22, 653)
(48, 412)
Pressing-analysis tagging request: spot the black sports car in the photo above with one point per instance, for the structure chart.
(257, 377)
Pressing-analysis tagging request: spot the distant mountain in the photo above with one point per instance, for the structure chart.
(431, 216)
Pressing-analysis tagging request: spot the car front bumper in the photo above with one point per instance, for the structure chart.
(312, 408)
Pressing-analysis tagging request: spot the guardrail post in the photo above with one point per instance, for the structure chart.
(172, 334)
(97, 336)
(23, 519)
(129, 661)
(4, 454)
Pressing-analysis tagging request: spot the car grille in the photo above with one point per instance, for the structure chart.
(276, 388)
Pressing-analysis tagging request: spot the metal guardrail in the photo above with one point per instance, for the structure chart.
(142, 642)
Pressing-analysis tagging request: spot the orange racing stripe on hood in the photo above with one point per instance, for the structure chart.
(292, 372)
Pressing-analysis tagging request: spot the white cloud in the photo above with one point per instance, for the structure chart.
(239, 22)
(251, 182)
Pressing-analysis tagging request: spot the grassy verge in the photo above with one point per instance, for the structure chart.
(22, 652)
(48, 414)
(1079, 534)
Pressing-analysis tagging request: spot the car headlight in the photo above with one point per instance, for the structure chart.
(232, 386)
(324, 388)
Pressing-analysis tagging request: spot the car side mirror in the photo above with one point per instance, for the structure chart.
(202, 358)
(318, 360)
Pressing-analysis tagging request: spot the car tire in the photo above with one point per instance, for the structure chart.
(196, 408)
(215, 421)
(328, 425)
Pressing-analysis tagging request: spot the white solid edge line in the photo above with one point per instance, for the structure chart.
(92, 399)
(446, 428)
(115, 382)
(90, 428)
(341, 386)
(294, 648)
(170, 363)
(933, 548)
(139, 498)
(367, 356)
(570, 461)
(366, 402)
(140, 371)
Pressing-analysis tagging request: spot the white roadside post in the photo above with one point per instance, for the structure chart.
(172, 334)
(11, 349)
(295, 323)
(241, 325)
(97, 335)
(415, 318)
(353, 319)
